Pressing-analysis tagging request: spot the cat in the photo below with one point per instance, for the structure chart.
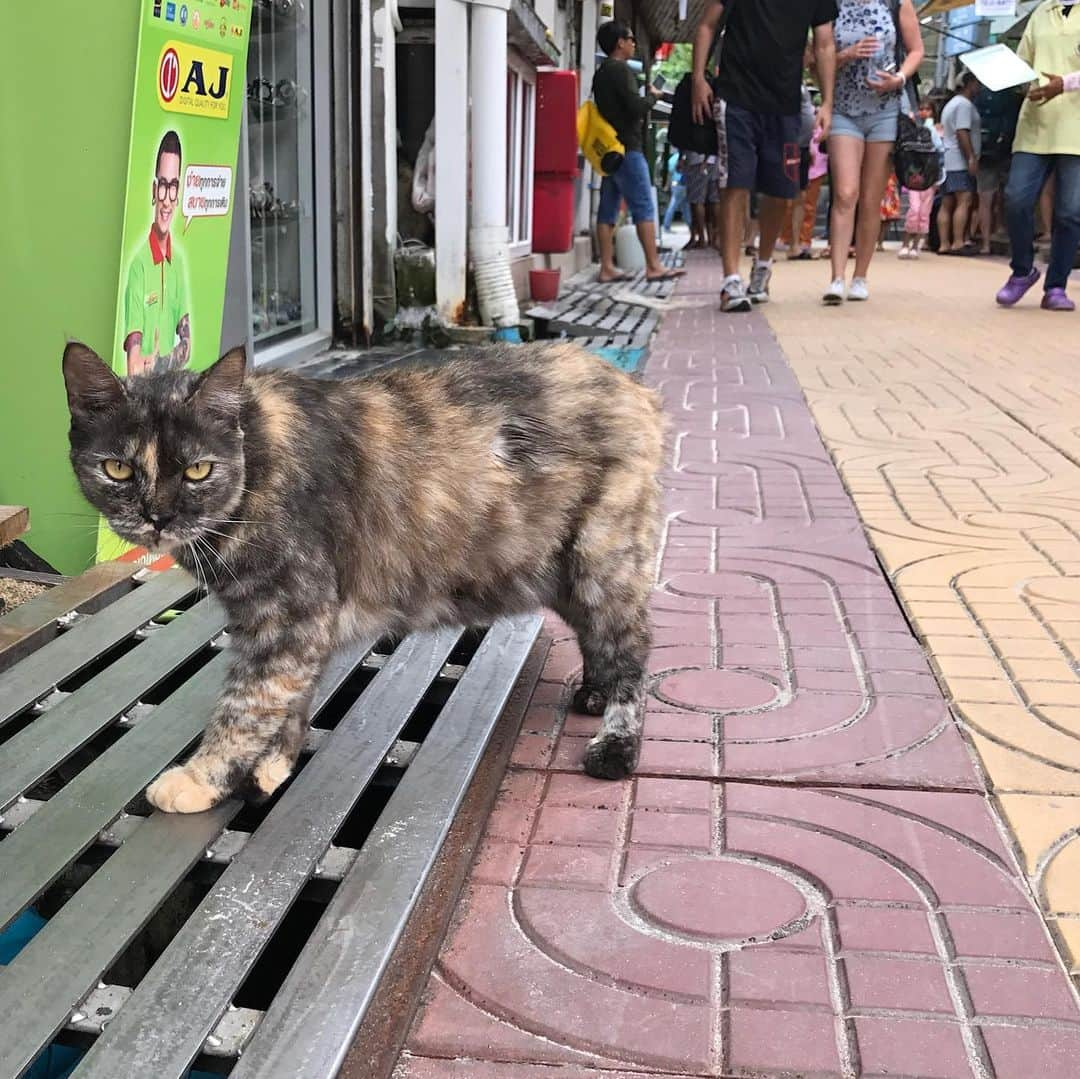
(496, 483)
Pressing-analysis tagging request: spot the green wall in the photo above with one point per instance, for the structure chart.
(65, 123)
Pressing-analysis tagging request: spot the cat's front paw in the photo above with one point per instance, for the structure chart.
(589, 701)
(270, 773)
(182, 790)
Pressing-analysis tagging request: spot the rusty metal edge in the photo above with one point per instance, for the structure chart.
(375, 1050)
(33, 624)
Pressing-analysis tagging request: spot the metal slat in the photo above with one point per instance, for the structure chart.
(66, 728)
(34, 676)
(55, 971)
(314, 1016)
(160, 1029)
(51, 975)
(32, 624)
(37, 852)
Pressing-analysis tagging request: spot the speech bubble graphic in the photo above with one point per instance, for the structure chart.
(207, 192)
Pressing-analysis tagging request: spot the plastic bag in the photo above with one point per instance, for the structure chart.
(423, 186)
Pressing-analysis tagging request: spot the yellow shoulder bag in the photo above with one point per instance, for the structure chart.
(598, 140)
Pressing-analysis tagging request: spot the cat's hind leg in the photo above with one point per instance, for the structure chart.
(618, 650)
(252, 741)
(604, 598)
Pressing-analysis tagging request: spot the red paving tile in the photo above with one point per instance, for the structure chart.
(805, 876)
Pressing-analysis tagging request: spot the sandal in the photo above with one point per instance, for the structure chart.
(667, 275)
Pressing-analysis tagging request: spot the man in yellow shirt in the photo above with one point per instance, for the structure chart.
(1047, 142)
(157, 321)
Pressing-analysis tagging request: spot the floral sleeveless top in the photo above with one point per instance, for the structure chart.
(859, 19)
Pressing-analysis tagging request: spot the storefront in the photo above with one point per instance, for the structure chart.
(280, 287)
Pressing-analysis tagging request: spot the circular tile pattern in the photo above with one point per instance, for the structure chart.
(716, 585)
(1058, 589)
(1011, 522)
(718, 690)
(964, 472)
(719, 900)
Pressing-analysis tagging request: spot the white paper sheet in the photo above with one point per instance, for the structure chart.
(998, 67)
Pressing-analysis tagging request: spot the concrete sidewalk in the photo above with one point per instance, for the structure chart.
(806, 876)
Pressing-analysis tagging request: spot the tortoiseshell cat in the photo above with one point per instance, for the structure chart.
(492, 484)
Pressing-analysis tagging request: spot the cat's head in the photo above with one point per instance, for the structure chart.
(161, 456)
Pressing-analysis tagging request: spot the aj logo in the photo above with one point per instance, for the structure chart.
(194, 80)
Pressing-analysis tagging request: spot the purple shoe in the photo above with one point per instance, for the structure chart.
(1013, 290)
(1055, 299)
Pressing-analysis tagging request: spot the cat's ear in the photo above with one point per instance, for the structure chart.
(91, 385)
(220, 388)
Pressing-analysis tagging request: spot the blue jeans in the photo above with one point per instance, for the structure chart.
(1026, 178)
(676, 203)
(632, 182)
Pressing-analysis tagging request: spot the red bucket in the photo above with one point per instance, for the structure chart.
(544, 285)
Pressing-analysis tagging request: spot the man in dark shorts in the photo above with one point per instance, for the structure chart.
(761, 65)
(615, 92)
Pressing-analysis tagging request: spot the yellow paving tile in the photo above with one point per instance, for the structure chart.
(1068, 930)
(963, 464)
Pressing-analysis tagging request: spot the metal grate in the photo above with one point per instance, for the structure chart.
(264, 930)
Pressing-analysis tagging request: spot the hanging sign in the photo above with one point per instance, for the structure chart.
(190, 93)
(995, 9)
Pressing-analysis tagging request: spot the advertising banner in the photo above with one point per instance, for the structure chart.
(181, 186)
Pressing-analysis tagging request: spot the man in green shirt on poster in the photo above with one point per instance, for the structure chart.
(157, 323)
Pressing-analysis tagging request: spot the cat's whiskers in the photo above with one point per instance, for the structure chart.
(200, 573)
(217, 554)
(237, 539)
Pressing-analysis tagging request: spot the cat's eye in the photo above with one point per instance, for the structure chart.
(198, 471)
(117, 470)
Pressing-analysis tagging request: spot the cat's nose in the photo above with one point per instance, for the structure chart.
(161, 521)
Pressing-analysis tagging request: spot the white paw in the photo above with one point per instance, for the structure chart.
(180, 790)
(271, 772)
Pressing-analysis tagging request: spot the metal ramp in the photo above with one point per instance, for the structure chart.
(249, 941)
(616, 315)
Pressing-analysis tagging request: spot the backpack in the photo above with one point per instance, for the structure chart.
(915, 157)
(999, 112)
(683, 133)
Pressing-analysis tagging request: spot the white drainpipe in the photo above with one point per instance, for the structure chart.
(367, 304)
(451, 156)
(471, 217)
(386, 25)
(488, 236)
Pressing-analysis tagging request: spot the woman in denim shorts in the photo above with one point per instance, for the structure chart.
(869, 88)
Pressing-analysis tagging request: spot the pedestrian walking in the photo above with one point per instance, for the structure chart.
(921, 203)
(759, 84)
(998, 111)
(791, 234)
(677, 202)
(962, 128)
(615, 92)
(870, 37)
(701, 188)
(890, 208)
(1047, 143)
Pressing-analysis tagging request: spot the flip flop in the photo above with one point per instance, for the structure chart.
(614, 280)
(667, 275)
